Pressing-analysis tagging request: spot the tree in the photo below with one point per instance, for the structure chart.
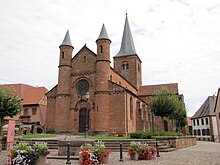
(10, 104)
(164, 104)
(180, 115)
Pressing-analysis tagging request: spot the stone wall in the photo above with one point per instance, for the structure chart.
(177, 142)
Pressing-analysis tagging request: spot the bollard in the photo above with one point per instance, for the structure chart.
(121, 156)
(68, 154)
(158, 155)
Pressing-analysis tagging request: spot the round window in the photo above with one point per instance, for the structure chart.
(82, 87)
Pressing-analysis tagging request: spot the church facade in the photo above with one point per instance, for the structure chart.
(117, 99)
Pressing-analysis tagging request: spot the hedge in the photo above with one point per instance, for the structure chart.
(148, 135)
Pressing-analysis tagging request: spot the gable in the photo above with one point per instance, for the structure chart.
(83, 61)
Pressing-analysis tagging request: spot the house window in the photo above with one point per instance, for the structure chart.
(207, 121)
(131, 108)
(62, 55)
(194, 122)
(203, 132)
(139, 68)
(198, 132)
(202, 121)
(25, 113)
(34, 111)
(207, 131)
(197, 121)
(194, 131)
(110, 77)
(84, 58)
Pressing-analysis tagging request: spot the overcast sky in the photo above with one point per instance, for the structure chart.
(178, 41)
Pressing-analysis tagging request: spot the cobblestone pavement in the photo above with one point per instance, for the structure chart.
(204, 153)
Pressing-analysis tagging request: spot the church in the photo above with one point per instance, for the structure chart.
(106, 99)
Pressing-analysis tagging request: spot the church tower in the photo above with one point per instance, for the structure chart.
(102, 76)
(63, 87)
(127, 62)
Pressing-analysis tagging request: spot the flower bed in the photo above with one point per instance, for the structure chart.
(139, 151)
(96, 154)
(25, 154)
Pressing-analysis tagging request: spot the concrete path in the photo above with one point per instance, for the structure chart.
(204, 153)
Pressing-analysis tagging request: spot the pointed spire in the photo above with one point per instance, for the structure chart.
(127, 43)
(67, 40)
(103, 34)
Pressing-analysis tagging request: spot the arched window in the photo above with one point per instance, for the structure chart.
(125, 66)
(101, 48)
(198, 132)
(62, 55)
(110, 77)
(84, 58)
(194, 131)
(203, 132)
(131, 108)
(139, 68)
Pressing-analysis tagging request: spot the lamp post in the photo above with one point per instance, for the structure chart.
(87, 127)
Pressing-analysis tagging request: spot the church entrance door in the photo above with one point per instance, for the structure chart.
(82, 119)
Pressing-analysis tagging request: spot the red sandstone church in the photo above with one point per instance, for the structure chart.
(117, 99)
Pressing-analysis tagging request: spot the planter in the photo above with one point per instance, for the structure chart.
(105, 160)
(134, 156)
(42, 160)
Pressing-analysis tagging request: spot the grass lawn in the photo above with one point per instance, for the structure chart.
(107, 137)
(38, 135)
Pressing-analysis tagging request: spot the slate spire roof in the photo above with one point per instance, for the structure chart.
(103, 34)
(127, 43)
(207, 108)
(67, 40)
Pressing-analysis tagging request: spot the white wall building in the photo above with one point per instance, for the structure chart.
(204, 122)
(217, 111)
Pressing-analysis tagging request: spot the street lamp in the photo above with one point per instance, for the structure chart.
(86, 127)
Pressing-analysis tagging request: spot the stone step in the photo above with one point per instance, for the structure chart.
(167, 149)
(63, 157)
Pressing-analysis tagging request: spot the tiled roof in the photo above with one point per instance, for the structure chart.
(29, 94)
(151, 89)
(207, 108)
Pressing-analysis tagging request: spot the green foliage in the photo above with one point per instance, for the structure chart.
(10, 105)
(38, 136)
(148, 135)
(107, 137)
(40, 147)
(164, 103)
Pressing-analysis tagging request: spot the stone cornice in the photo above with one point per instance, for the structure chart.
(82, 74)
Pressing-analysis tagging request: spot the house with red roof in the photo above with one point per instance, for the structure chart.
(34, 103)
